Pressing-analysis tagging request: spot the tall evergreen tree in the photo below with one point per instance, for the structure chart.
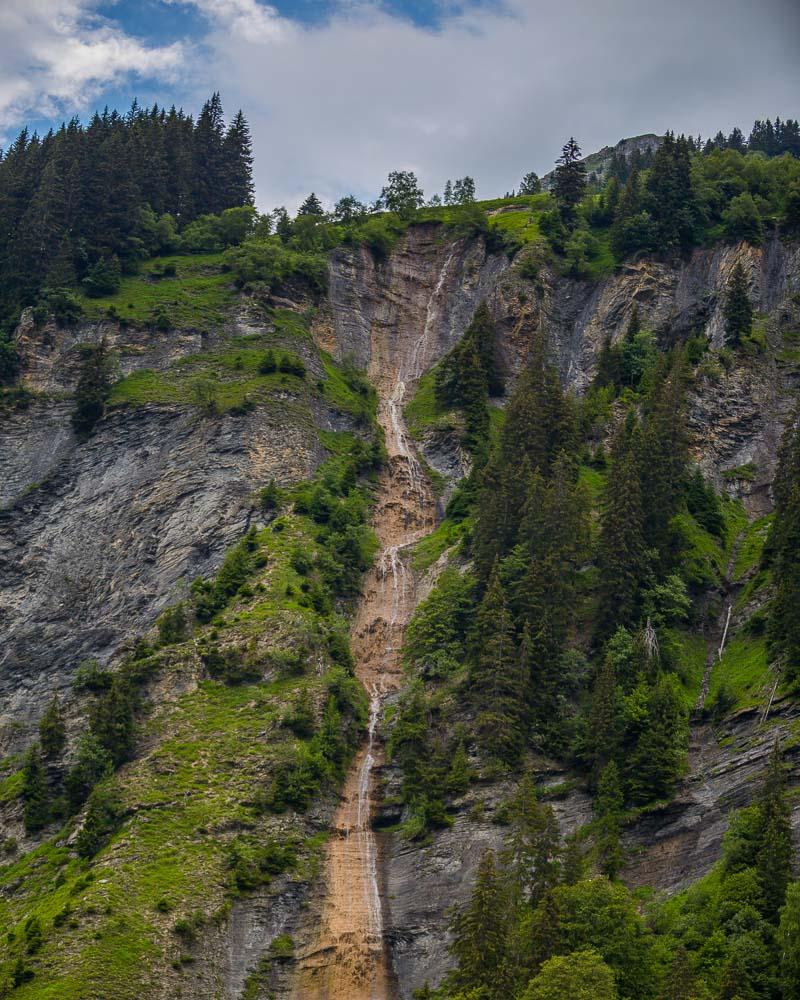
(608, 808)
(480, 935)
(34, 791)
(774, 835)
(737, 309)
(238, 156)
(52, 731)
(208, 158)
(94, 386)
(623, 557)
(496, 678)
(532, 851)
(569, 183)
(783, 548)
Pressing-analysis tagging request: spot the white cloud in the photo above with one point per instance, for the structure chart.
(57, 55)
(493, 93)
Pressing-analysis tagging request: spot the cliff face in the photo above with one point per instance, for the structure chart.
(97, 536)
(736, 418)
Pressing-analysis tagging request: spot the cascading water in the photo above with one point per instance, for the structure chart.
(348, 961)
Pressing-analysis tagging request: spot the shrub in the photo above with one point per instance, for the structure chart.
(104, 277)
(172, 626)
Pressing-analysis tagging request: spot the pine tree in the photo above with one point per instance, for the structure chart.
(608, 809)
(530, 184)
(789, 942)
(34, 791)
(738, 309)
(623, 558)
(774, 853)
(496, 679)
(569, 183)
(480, 935)
(92, 391)
(664, 453)
(238, 157)
(532, 852)
(208, 159)
(311, 206)
(603, 724)
(783, 547)
(52, 731)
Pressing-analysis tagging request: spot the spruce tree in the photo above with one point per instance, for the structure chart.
(480, 935)
(311, 206)
(603, 723)
(532, 851)
(623, 557)
(92, 391)
(569, 183)
(783, 548)
(496, 678)
(738, 309)
(608, 809)
(238, 158)
(789, 944)
(208, 159)
(34, 791)
(774, 837)
(52, 732)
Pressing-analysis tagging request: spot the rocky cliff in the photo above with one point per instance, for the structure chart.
(736, 419)
(97, 536)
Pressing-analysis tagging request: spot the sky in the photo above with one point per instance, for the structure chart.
(340, 92)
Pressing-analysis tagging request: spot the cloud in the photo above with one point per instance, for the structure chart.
(493, 91)
(58, 55)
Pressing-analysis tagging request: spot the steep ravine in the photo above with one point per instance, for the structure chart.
(348, 961)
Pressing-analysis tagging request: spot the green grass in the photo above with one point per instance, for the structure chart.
(198, 296)
(428, 549)
(703, 559)
(11, 787)
(743, 671)
(523, 226)
(751, 547)
(423, 412)
(691, 655)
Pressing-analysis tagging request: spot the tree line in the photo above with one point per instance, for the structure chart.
(99, 194)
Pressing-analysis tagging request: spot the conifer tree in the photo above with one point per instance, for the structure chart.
(208, 158)
(623, 557)
(34, 791)
(52, 732)
(789, 943)
(569, 183)
(311, 206)
(530, 184)
(783, 548)
(608, 809)
(238, 155)
(480, 935)
(92, 391)
(664, 454)
(738, 309)
(532, 851)
(774, 854)
(603, 725)
(496, 678)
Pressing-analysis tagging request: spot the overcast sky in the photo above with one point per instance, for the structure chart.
(340, 92)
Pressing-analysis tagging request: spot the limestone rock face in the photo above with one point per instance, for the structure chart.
(736, 417)
(98, 536)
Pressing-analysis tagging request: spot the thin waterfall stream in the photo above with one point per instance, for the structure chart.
(348, 961)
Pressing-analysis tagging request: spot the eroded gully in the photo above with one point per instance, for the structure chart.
(348, 961)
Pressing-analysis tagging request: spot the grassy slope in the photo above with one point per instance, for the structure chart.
(207, 750)
(199, 294)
